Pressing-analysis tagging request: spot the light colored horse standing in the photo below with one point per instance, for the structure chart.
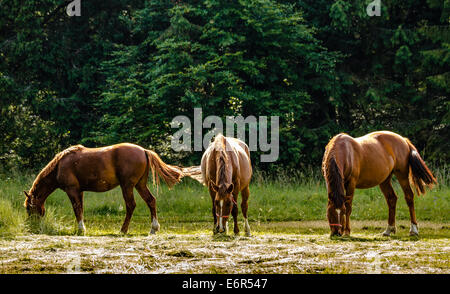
(226, 170)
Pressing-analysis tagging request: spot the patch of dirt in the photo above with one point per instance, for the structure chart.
(203, 253)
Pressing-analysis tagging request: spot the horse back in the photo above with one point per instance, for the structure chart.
(102, 169)
(380, 154)
(395, 147)
(241, 161)
(239, 158)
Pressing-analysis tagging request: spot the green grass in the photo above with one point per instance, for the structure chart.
(297, 197)
(12, 222)
(287, 218)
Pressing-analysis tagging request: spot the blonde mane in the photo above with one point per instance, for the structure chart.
(50, 167)
(221, 159)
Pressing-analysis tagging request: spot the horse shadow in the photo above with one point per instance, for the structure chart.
(381, 238)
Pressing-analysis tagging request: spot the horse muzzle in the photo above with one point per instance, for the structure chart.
(336, 229)
(221, 226)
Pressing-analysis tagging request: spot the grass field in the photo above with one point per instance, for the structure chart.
(287, 217)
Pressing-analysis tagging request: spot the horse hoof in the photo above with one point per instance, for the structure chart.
(220, 234)
(346, 233)
(414, 230)
(81, 233)
(154, 230)
(386, 233)
(413, 233)
(389, 230)
(155, 226)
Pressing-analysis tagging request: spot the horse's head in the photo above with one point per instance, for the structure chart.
(223, 203)
(32, 205)
(336, 218)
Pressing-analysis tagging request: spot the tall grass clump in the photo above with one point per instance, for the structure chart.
(442, 176)
(283, 177)
(12, 222)
(50, 224)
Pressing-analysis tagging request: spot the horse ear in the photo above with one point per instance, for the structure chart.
(230, 188)
(214, 187)
(26, 194)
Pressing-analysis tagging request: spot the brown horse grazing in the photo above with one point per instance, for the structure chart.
(365, 162)
(79, 169)
(226, 171)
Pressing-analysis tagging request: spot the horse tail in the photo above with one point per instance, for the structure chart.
(419, 173)
(194, 172)
(333, 176)
(169, 173)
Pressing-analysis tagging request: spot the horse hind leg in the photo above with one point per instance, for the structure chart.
(391, 199)
(130, 204)
(409, 197)
(245, 193)
(150, 200)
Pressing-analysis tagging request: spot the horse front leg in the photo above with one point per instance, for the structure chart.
(130, 204)
(76, 198)
(216, 225)
(349, 192)
(245, 193)
(234, 212)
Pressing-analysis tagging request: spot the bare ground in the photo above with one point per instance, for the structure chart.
(290, 247)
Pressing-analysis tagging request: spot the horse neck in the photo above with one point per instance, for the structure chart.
(44, 186)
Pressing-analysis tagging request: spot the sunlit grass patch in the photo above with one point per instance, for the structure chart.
(106, 210)
(50, 224)
(12, 222)
(285, 197)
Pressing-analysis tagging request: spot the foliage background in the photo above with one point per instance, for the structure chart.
(124, 69)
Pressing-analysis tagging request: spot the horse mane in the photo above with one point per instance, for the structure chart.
(51, 166)
(221, 159)
(332, 173)
(329, 150)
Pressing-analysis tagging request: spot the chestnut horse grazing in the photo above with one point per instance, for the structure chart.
(226, 171)
(79, 169)
(365, 162)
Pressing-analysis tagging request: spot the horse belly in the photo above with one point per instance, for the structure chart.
(96, 176)
(374, 172)
(101, 185)
(100, 180)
